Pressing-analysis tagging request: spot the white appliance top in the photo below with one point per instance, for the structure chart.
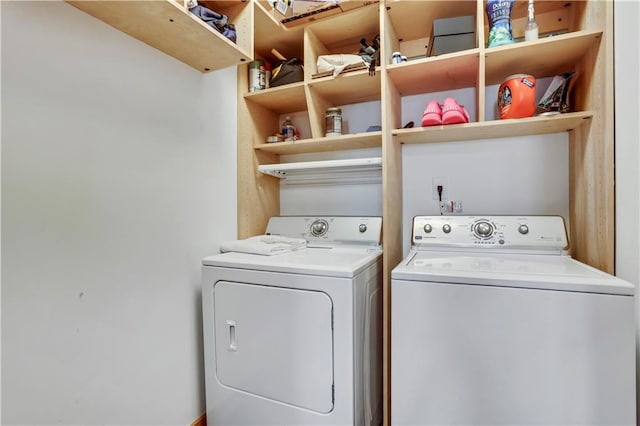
(507, 251)
(337, 246)
(326, 262)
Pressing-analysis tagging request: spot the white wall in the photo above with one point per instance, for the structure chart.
(118, 176)
(519, 175)
(627, 110)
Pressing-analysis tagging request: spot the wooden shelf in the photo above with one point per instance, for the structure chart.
(348, 88)
(543, 58)
(445, 72)
(172, 29)
(493, 129)
(281, 99)
(338, 143)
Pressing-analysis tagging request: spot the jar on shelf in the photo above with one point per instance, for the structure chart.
(333, 122)
(257, 80)
(288, 129)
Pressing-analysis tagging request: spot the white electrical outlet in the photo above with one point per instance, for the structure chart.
(437, 181)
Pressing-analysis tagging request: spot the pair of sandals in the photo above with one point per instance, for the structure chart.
(449, 113)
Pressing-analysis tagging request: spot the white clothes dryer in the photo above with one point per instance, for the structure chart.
(493, 323)
(296, 338)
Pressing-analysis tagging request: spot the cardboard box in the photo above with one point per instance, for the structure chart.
(452, 35)
(452, 43)
(450, 26)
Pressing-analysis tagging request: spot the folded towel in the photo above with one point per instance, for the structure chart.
(267, 245)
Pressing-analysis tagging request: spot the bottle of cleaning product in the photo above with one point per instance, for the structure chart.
(499, 14)
(531, 30)
(288, 129)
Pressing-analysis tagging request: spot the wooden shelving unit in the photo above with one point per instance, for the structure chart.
(169, 27)
(581, 41)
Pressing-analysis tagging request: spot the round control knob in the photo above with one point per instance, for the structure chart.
(483, 229)
(362, 228)
(523, 229)
(319, 227)
(427, 228)
(446, 228)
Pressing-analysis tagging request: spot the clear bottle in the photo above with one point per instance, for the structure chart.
(531, 30)
(288, 129)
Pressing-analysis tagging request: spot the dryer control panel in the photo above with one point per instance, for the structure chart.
(329, 230)
(544, 233)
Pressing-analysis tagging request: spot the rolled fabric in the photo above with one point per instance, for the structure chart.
(266, 245)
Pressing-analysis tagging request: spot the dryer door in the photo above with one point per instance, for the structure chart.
(276, 343)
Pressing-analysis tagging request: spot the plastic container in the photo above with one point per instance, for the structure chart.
(267, 74)
(256, 76)
(517, 96)
(499, 14)
(288, 129)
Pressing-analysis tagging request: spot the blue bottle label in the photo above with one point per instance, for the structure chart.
(499, 14)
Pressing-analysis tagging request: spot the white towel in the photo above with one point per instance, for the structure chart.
(337, 62)
(267, 245)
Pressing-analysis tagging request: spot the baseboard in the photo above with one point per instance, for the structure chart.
(200, 421)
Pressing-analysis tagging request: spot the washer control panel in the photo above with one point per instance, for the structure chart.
(329, 230)
(490, 232)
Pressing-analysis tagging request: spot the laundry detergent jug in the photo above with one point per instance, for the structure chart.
(517, 96)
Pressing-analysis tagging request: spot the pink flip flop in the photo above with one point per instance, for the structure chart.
(452, 113)
(432, 116)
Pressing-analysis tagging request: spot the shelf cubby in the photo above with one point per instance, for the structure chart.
(282, 99)
(412, 20)
(349, 88)
(541, 58)
(433, 74)
(269, 33)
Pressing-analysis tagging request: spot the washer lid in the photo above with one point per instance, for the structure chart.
(547, 272)
(329, 262)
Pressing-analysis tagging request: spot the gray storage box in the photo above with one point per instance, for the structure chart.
(452, 35)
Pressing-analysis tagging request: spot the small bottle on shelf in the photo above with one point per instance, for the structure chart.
(288, 129)
(531, 30)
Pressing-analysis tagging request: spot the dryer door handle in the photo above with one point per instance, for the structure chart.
(232, 335)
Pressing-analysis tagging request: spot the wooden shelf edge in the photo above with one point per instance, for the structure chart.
(493, 129)
(542, 42)
(271, 91)
(474, 53)
(339, 143)
(170, 28)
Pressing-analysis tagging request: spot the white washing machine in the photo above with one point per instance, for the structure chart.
(494, 324)
(295, 338)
